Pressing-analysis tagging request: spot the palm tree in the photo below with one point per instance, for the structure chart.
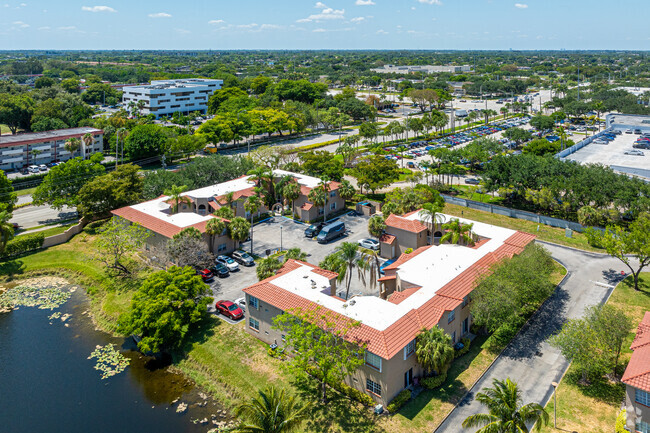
(318, 196)
(346, 190)
(434, 350)
(291, 192)
(6, 229)
(458, 232)
(430, 214)
(271, 412)
(295, 254)
(348, 253)
(87, 141)
(72, 145)
(252, 205)
(214, 227)
(267, 267)
(505, 412)
(174, 194)
(239, 230)
(230, 198)
(504, 111)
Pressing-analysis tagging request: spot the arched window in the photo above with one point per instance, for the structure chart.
(201, 209)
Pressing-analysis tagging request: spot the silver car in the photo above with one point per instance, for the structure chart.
(228, 262)
(369, 244)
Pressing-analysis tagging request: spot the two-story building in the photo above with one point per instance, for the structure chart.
(430, 286)
(637, 380)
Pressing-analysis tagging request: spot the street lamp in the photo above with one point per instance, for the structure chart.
(281, 239)
(554, 385)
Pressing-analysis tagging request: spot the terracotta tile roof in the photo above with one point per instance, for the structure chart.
(411, 213)
(214, 205)
(388, 278)
(405, 224)
(156, 224)
(480, 243)
(292, 264)
(248, 192)
(387, 239)
(637, 373)
(306, 206)
(406, 257)
(304, 190)
(397, 297)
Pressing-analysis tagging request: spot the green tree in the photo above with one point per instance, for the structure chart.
(119, 188)
(224, 212)
(505, 411)
(145, 141)
(47, 124)
(376, 225)
(214, 227)
(188, 248)
(70, 85)
(175, 194)
(6, 229)
(252, 205)
(346, 190)
(16, 111)
(458, 233)
(239, 229)
(319, 343)
(117, 242)
(8, 196)
(541, 122)
(320, 163)
(375, 172)
(165, 309)
(627, 244)
(349, 259)
(518, 135)
(431, 214)
(541, 147)
(72, 145)
(290, 192)
(318, 196)
(434, 350)
(271, 412)
(295, 254)
(267, 267)
(62, 184)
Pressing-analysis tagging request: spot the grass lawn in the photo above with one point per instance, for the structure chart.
(542, 231)
(483, 198)
(26, 191)
(594, 408)
(4, 129)
(53, 231)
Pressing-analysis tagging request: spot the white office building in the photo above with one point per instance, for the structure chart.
(165, 97)
(426, 69)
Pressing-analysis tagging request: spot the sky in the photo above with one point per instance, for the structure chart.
(330, 24)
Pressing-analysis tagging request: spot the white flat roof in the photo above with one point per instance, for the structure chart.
(234, 185)
(431, 269)
(157, 208)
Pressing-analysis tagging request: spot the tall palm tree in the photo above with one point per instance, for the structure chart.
(72, 145)
(175, 194)
(430, 213)
(348, 253)
(434, 350)
(505, 411)
(239, 230)
(214, 227)
(87, 141)
(458, 233)
(318, 196)
(252, 205)
(291, 191)
(230, 198)
(271, 412)
(6, 229)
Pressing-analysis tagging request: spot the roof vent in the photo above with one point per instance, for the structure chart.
(352, 302)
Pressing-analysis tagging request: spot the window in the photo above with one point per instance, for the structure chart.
(453, 337)
(254, 324)
(642, 397)
(333, 206)
(254, 302)
(373, 360)
(409, 349)
(451, 316)
(320, 211)
(642, 426)
(373, 387)
(333, 194)
(465, 301)
(221, 248)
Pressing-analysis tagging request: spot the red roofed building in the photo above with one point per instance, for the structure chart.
(428, 287)
(637, 379)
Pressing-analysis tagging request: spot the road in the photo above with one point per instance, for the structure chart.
(529, 360)
(32, 216)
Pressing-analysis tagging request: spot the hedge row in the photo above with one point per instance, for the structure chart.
(23, 244)
(399, 401)
(433, 381)
(466, 342)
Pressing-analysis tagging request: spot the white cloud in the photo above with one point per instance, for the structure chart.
(382, 32)
(44, 28)
(320, 5)
(215, 22)
(20, 24)
(23, 5)
(271, 27)
(364, 3)
(357, 19)
(325, 14)
(160, 15)
(247, 26)
(67, 28)
(521, 5)
(182, 31)
(319, 30)
(98, 9)
(430, 2)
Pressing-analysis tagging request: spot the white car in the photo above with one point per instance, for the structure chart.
(33, 169)
(634, 152)
(228, 262)
(42, 167)
(369, 244)
(241, 303)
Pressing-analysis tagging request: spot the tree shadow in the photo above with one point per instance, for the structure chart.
(198, 334)
(11, 268)
(613, 276)
(338, 414)
(600, 388)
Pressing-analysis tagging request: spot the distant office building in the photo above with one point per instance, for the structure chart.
(35, 148)
(427, 69)
(164, 97)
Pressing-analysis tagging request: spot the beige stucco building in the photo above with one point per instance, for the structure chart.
(637, 380)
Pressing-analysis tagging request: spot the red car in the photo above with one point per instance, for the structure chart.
(229, 309)
(206, 274)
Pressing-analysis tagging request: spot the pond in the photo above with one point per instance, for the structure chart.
(48, 383)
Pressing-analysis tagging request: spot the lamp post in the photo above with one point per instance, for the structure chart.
(281, 239)
(554, 385)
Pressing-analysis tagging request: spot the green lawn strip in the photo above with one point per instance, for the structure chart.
(542, 231)
(594, 408)
(26, 191)
(51, 231)
(482, 197)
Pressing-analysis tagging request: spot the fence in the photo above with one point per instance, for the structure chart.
(576, 147)
(64, 237)
(514, 213)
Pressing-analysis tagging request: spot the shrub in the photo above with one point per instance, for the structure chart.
(505, 333)
(620, 422)
(23, 244)
(408, 251)
(399, 401)
(466, 342)
(434, 381)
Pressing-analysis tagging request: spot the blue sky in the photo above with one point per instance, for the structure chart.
(330, 24)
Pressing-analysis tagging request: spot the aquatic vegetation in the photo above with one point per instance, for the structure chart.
(109, 360)
(43, 293)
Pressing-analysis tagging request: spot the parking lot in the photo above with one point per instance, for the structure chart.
(613, 154)
(279, 232)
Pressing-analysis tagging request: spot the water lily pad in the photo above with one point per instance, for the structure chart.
(109, 360)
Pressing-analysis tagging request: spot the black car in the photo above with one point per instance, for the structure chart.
(220, 270)
(313, 230)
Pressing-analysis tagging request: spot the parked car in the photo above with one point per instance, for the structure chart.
(42, 167)
(243, 258)
(220, 270)
(33, 169)
(241, 303)
(472, 181)
(637, 131)
(629, 131)
(313, 230)
(206, 275)
(229, 309)
(369, 244)
(634, 152)
(228, 262)
(331, 232)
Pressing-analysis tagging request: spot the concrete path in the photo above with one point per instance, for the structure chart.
(529, 360)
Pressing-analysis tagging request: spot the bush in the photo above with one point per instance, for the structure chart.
(620, 422)
(434, 381)
(505, 333)
(399, 401)
(23, 244)
(466, 342)
(408, 251)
